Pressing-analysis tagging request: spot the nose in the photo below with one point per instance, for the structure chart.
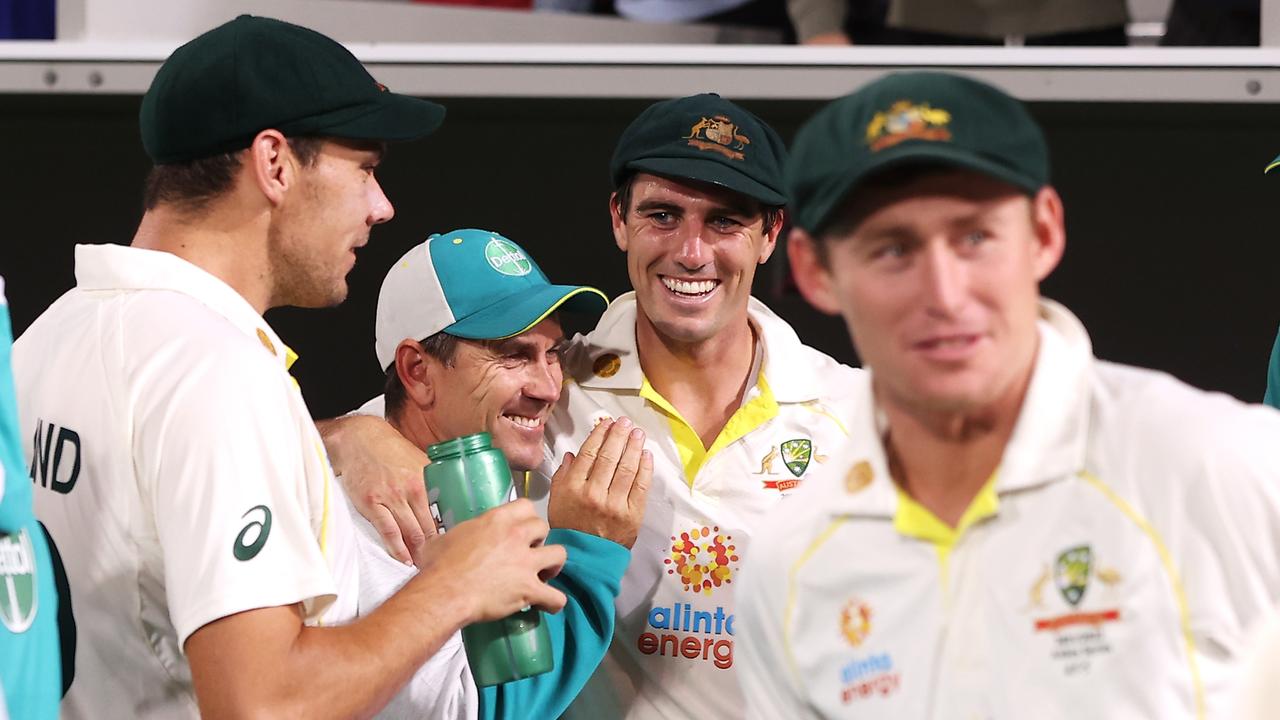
(694, 251)
(380, 209)
(544, 382)
(945, 280)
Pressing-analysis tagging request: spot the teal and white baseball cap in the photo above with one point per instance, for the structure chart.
(470, 283)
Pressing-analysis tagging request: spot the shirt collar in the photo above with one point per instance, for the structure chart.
(612, 362)
(116, 267)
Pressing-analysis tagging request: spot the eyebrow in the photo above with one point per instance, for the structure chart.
(646, 205)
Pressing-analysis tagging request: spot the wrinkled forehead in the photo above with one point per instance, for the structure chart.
(680, 192)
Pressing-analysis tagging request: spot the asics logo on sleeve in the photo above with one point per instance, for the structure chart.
(254, 535)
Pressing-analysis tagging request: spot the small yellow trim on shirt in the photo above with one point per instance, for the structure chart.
(789, 610)
(1179, 592)
(915, 520)
(693, 455)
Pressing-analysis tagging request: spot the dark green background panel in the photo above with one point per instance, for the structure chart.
(1171, 253)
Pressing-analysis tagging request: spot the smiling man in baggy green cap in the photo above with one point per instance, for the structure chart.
(1015, 528)
(175, 460)
(739, 412)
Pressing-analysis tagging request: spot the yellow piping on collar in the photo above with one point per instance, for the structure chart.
(693, 455)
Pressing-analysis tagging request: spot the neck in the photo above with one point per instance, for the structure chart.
(412, 423)
(229, 245)
(942, 459)
(705, 381)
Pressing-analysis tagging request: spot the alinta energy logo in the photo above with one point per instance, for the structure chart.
(703, 558)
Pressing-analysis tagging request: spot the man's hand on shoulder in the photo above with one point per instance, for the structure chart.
(602, 489)
(382, 474)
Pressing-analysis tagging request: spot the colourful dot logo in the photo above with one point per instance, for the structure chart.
(703, 558)
(855, 621)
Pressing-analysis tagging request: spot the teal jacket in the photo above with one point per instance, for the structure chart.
(580, 634)
(1272, 397)
(30, 660)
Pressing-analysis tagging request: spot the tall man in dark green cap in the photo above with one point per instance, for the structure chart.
(1015, 529)
(174, 459)
(737, 411)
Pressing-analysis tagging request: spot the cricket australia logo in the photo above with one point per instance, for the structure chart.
(796, 454)
(18, 598)
(506, 258)
(718, 134)
(1071, 573)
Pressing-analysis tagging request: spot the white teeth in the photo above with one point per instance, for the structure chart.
(531, 423)
(685, 287)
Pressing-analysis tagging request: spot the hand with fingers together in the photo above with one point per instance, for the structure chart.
(602, 489)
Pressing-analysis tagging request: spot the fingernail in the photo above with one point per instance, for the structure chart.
(637, 434)
(624, 422)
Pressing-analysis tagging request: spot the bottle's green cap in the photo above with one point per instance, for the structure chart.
(465, 445)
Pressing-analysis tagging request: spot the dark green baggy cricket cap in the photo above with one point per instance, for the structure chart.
(215, 93)
(916, 118)
(705, 138)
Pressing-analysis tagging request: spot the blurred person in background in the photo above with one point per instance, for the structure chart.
(959, 22)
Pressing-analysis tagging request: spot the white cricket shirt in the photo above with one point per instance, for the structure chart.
(176, 464)
(673, 654)
(1110, 569)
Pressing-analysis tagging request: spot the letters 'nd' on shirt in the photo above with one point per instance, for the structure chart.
(1112, 568)
(673, 653)
(175, 463)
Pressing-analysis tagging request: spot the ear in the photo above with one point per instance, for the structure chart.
(415, 370)
(1049, 221)
(771, 238)
(616, 213)
(811, 273)
(271, 165)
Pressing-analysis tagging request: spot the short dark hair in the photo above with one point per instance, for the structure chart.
(192, 185)
(770, 214)
(442, 346)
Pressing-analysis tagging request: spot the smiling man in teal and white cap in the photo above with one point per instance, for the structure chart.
(467, 331)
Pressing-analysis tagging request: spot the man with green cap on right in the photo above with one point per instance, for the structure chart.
(1016, 528)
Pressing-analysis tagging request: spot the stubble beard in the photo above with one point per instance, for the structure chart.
(300, 277)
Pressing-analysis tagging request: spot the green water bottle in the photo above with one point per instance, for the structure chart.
(466, 477)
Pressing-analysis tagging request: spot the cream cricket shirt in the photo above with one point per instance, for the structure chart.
(176, 465)
(1110, 569)
(673, 654)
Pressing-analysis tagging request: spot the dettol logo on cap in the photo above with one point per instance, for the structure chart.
(506, 258)
(17, 582)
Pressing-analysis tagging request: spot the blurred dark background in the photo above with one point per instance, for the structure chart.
(1170, 255)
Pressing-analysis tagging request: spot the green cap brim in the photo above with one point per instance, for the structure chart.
(1274, 163)
(392, 118)
(922, 154)
(709, 172)
(519, 312)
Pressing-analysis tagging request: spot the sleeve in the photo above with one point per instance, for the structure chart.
(765, 669)
(815, 17)
(225, 466)
(580, 633)
(1272, 396)
(1227, 556)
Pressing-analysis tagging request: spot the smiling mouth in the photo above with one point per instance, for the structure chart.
(956, 341)
(527, 423)
(690, 288)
